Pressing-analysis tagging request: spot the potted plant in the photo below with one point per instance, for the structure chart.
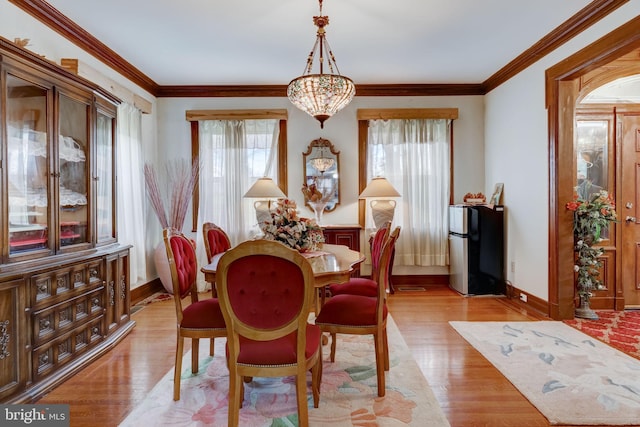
(591, 218)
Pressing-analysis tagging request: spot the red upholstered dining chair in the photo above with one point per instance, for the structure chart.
(197, 318)
(266, 292)
(363, 315)
(363, 285)
(215, 240)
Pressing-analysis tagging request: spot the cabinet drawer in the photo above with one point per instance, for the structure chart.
(65, 348)
(55, 286)
(58, 319)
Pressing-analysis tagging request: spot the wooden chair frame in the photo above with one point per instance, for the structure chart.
(237, 328)
(183, 332)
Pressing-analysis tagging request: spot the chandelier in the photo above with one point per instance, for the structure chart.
(321, 95)
(322, 163)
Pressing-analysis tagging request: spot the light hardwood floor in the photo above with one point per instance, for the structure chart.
(469, 389)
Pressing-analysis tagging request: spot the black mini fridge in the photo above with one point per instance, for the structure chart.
(476, 249)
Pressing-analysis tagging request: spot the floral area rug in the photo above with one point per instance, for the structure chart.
(619, 329)
(568, 376)
(348, 395)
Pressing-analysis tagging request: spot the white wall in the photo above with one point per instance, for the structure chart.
(516, 153)
(498, 138)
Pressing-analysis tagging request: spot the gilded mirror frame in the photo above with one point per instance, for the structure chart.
(327, 181)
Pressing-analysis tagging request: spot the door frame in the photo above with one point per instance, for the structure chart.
(564, 86)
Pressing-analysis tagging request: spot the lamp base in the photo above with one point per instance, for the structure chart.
(382, 211)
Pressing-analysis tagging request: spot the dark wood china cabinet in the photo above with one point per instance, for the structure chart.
(64, 279)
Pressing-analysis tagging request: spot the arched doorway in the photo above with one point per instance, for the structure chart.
(564, 84)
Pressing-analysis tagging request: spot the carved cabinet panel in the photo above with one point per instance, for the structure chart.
(12, 355)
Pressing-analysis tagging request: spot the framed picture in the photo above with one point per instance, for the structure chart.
(497, 194)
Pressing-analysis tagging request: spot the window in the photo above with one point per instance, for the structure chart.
(234, 148)
(412, 149)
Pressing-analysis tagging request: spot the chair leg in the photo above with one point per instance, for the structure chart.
(211, 346)
(301, 394)
(316, 379)
(235, 396)
(178, 368)
(379, 347)
(333, 347)
(386, 350)
(195, 347)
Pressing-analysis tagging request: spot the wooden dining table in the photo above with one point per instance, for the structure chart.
(330, 264)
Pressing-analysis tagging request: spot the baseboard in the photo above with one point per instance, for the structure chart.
(420, 280)
(146, 290)
(522, 299)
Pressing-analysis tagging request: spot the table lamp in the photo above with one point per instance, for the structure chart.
(381, 210)
(264, 188)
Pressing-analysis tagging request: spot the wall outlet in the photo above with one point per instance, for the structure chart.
(513, 266)
(523, 297)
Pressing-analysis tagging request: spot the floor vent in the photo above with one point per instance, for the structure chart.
(410, 288)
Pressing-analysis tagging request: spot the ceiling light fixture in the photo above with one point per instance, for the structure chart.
(322, 163)
(321, 95)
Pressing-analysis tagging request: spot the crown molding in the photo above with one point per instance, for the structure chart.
(589, 15)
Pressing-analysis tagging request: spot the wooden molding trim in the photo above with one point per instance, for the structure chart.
(83, 70)
(420, 89)
(257, 91)
(562, 90)
(146, 290)
(533, 302)
(196, 115)
(406, 113)
(589, 15)
(51, 17)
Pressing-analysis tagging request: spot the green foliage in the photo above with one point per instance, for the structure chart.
(590, 220)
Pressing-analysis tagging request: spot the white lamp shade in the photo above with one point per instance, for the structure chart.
(379, 187)
(264, 188)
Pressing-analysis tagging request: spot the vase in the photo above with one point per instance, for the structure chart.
(584, 311)
(162, 267)
(318, 210)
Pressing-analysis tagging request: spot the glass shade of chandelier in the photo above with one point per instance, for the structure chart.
(322, 163)
(321, 95)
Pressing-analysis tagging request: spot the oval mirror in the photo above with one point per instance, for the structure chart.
(321, 165)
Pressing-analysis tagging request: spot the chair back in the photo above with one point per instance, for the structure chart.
(266, 291)
(376, 244)
(215, 240)
(382, 278)
(183, 265)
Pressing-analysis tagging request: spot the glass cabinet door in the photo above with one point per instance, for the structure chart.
(27, 166)
(73, 143)
(105, 224)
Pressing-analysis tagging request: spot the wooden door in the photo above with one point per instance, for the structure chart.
(628, 207)
(596, 166)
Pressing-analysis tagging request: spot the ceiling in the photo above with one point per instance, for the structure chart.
(266, 42)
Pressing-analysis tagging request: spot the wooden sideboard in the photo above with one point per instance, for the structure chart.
(348, 235)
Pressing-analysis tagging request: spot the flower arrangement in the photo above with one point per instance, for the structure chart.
(303, 234)
(591, 218)
(312, 193)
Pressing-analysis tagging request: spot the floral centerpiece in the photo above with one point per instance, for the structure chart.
(591, 218)
(303, 234)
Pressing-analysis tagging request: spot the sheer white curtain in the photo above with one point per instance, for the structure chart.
(233, 155)
(414, 156)
(130, 187)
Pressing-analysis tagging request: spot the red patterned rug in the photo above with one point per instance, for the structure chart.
(619, 329)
